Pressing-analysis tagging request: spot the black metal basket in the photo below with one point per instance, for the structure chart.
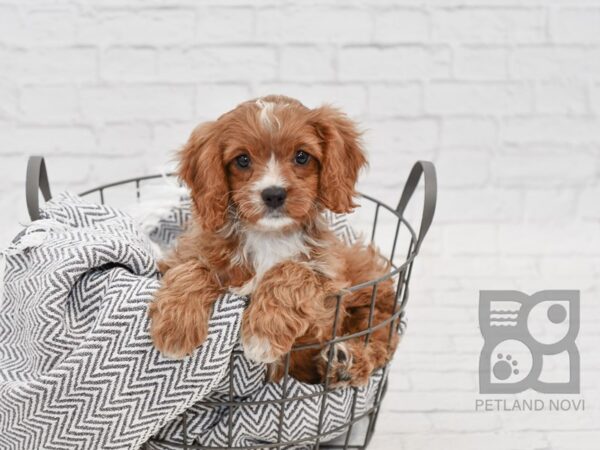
(401, 271)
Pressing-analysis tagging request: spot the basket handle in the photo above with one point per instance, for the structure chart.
(430, 180)
(36, 181)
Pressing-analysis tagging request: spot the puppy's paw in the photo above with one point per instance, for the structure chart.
(338, 374)
(349, 365)
(265, 336)
(285, 303)
(177, 328)
(259, 349)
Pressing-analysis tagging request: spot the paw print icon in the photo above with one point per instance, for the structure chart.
(529, 342)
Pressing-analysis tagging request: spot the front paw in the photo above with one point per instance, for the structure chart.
(349, 366)
(259, 349)
(288, 299)
(266, 335)
(177, 326)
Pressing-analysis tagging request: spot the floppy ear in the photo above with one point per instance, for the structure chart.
(343, 157)
(201, 168)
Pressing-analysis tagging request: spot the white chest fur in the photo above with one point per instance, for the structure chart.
(264, 249)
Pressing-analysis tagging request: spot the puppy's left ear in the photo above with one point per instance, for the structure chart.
(342, 159)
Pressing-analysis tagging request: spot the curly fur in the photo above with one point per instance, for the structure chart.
(288, 261)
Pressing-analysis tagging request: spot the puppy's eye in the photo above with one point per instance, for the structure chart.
(301, 157)
(243, 161)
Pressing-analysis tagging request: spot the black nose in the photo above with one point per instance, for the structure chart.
(273, 196)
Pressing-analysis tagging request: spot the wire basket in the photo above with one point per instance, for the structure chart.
(401, 270)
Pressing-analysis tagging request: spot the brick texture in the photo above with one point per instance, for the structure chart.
(503, 95)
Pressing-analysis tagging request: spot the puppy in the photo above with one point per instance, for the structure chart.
(260, 177)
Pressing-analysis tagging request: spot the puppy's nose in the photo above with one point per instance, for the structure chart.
(273, 196)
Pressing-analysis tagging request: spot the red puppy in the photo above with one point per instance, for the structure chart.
(260, 177)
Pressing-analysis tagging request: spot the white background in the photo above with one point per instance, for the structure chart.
(503, 95)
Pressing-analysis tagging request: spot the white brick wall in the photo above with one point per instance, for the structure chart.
(504, 95)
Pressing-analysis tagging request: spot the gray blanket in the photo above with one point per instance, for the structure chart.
(77, 366)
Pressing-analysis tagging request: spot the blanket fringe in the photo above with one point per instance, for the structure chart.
(158, 203)
(35, 235)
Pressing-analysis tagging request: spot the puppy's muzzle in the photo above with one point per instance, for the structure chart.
(273, 197)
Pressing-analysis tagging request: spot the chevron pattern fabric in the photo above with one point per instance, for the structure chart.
(77, 366)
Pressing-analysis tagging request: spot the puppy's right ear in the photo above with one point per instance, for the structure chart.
(201, 168)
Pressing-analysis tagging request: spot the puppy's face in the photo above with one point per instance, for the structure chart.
(272, 164)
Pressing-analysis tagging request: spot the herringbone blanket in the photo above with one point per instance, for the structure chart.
(77, 366)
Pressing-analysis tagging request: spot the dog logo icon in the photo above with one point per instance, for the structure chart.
(529, 342)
